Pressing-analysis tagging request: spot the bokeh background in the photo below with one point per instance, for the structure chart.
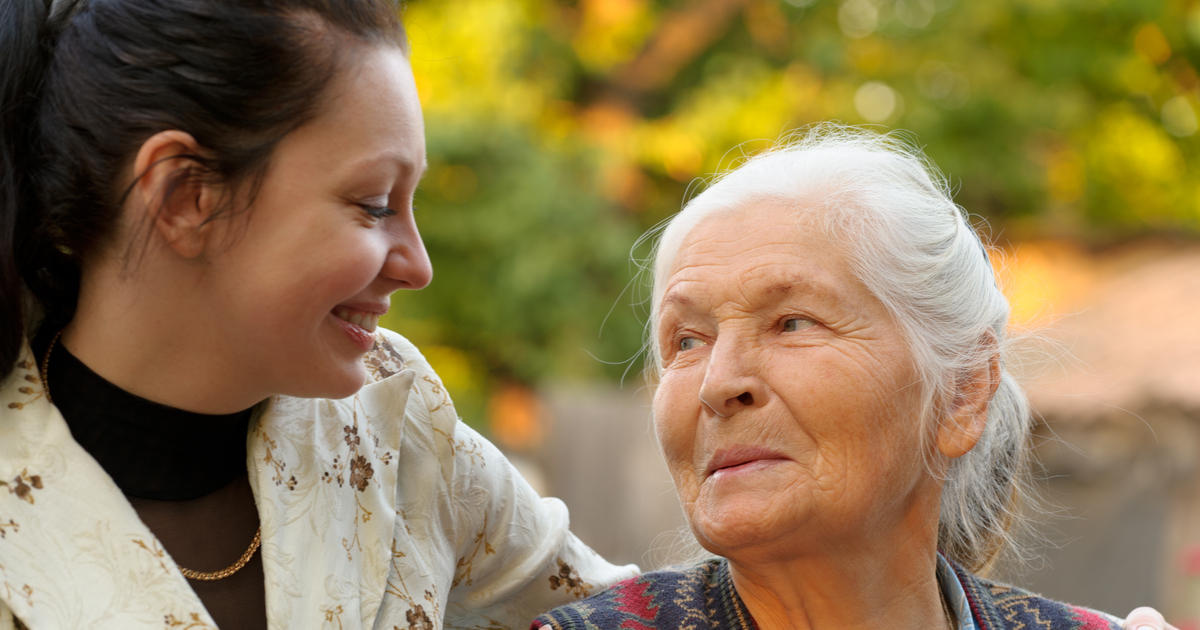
(561, 131)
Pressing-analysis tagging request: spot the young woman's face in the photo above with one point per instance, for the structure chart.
(329, 236)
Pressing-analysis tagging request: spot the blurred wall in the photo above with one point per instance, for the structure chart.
(601, 458)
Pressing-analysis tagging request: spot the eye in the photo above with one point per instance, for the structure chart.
(377, 212)
(690, 343)
(792, 324)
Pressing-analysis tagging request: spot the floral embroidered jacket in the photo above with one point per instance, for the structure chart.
(381, 510)
(702, 598)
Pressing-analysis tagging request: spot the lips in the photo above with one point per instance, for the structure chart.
(359, 322)
(366, 320)
(740, 456)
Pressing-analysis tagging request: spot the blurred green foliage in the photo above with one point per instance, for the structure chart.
(559, 131)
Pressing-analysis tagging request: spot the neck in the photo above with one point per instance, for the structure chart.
(890, 582)
(151, 339)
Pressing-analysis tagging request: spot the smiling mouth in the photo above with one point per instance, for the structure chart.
(366, 321)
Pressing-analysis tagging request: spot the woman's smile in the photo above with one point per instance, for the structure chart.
(359, 323)
(365, 320)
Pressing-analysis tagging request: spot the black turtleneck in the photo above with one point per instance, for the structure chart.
(183, 472)
(150, 450)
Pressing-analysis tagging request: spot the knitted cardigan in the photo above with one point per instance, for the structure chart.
(703, 597)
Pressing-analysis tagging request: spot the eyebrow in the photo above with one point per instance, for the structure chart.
(675, 299)
(404, 163)
(799, 284)
(783, 287)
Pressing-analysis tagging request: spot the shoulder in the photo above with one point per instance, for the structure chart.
(1005, 607)
(661, 599)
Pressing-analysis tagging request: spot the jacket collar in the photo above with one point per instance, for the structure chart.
(324, 474)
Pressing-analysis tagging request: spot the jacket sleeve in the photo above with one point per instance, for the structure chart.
(508, 554)
(516, 556)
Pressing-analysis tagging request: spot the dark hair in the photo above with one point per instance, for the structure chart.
(84, 85)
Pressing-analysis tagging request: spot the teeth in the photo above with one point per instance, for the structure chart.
(366, 321)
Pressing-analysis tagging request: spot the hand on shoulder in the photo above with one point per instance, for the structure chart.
(1146, 618)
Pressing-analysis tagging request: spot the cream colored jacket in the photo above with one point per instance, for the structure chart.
(381, 510)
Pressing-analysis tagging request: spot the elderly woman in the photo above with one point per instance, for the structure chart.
(835, 405)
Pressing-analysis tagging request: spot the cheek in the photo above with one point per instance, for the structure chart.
(353, 268)
(342, 269)
(857, 413)
(675, 419)
(885, 448)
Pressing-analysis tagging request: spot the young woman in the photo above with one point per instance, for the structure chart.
(205, 206)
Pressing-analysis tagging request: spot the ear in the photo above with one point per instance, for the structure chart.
(180, 217)
(959, 433)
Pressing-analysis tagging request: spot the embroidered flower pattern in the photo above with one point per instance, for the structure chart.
(438, 390)
(360, 473)
(332, 614)
(400, 590)
(11, 592)
(472, 449)
(10, 525)
(352, 439)
(568, 578)
(23, 485)
(276, 463)
(31, 378)
(383, 360)
(154, 548)
(466, 564)
(417, 619)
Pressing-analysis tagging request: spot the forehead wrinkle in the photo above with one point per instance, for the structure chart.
(758, 267)
(755, 283)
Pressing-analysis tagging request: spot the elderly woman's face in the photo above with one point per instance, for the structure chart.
(787, 406)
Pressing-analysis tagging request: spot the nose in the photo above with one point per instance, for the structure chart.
(732, 381)
(407, 263)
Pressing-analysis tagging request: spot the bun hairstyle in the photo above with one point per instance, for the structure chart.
(912, 247)
(86, 82)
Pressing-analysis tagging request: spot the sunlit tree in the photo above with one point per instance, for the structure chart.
(558, 132)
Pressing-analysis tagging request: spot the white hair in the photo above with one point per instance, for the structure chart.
(912, 247)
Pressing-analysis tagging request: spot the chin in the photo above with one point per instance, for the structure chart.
(350, 381)
(742, 524)
(340, 384)
(725, 537)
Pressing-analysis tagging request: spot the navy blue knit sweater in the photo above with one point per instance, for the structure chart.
(702, 598)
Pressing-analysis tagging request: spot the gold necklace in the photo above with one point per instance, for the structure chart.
(224, 573)
(188, 573)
